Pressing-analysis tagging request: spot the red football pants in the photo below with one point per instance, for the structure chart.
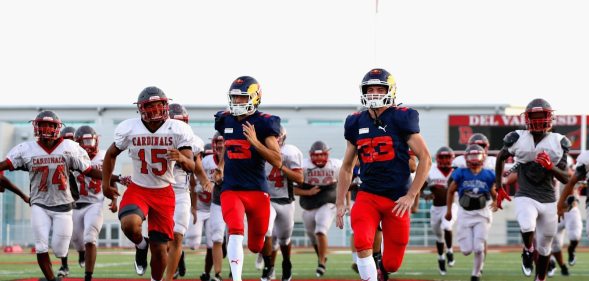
(368, 211)
(157, 204)
(254, 204)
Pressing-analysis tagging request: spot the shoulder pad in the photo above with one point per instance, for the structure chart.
(265, 115)
(510, 139)
(403, 108)
(565, 143)
(356, 113)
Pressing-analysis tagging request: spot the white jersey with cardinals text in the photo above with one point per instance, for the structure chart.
(321, 176)
(292, 158)
(49, 169)
(91, 189)
(151, 167)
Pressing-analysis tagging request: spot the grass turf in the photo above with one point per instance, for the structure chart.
(504, 266)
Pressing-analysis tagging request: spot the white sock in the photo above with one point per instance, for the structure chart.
(143, 244)
(442, 257)
(367, 268)
(355, 257)
(235, 255)
(449, 250)
(154, 279)
(479, 257)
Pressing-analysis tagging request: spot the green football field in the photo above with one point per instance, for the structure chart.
(418, 265)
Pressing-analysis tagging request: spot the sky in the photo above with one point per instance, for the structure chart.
(302, 52)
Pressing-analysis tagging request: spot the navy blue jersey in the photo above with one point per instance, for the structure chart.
(244, 166)
(383, 150)
(479, 183)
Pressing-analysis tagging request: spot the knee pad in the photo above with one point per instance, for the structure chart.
(544, 245)
(91, 235)
(131, 209)
(158, 237)
(283, 241)
(41, 247)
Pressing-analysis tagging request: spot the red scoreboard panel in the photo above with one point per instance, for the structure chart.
(495, 127)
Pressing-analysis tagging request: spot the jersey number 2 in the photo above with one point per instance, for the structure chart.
(377, 149)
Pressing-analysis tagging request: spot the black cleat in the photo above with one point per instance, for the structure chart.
(141, 259)
(182, 265)
(450, 258)
(572, 259)
(217, 277)
(382, 274)
(267, 273)
(82, 259)
(551, 268)
(442, 267)
(527, 263)
(475, 278)
(320, 271)
(205, 276)
(63, 271)
(564, 270)
(286, 270)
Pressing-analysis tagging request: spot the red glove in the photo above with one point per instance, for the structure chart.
(501, 195)
(544, 160)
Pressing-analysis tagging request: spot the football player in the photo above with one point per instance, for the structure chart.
(380, 138)
(250, 141)
(437, 185)
(317, 198)
(156, 143)
(215, 230)
(68, 134)
(87, 214)
(282, 208)
(578, 180)
(475, 187)
(542, 156)
(48, 160)
(184, 183)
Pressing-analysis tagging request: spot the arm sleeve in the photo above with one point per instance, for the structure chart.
(220, 122)
(337, 163)
(199, 145)
(185, 137)
(79, 159)
(15, 156)
(351, 129)
(294, 159)
(457, 176)
(121, 137)
(273, 126)
(409, 122)
(509, 142)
